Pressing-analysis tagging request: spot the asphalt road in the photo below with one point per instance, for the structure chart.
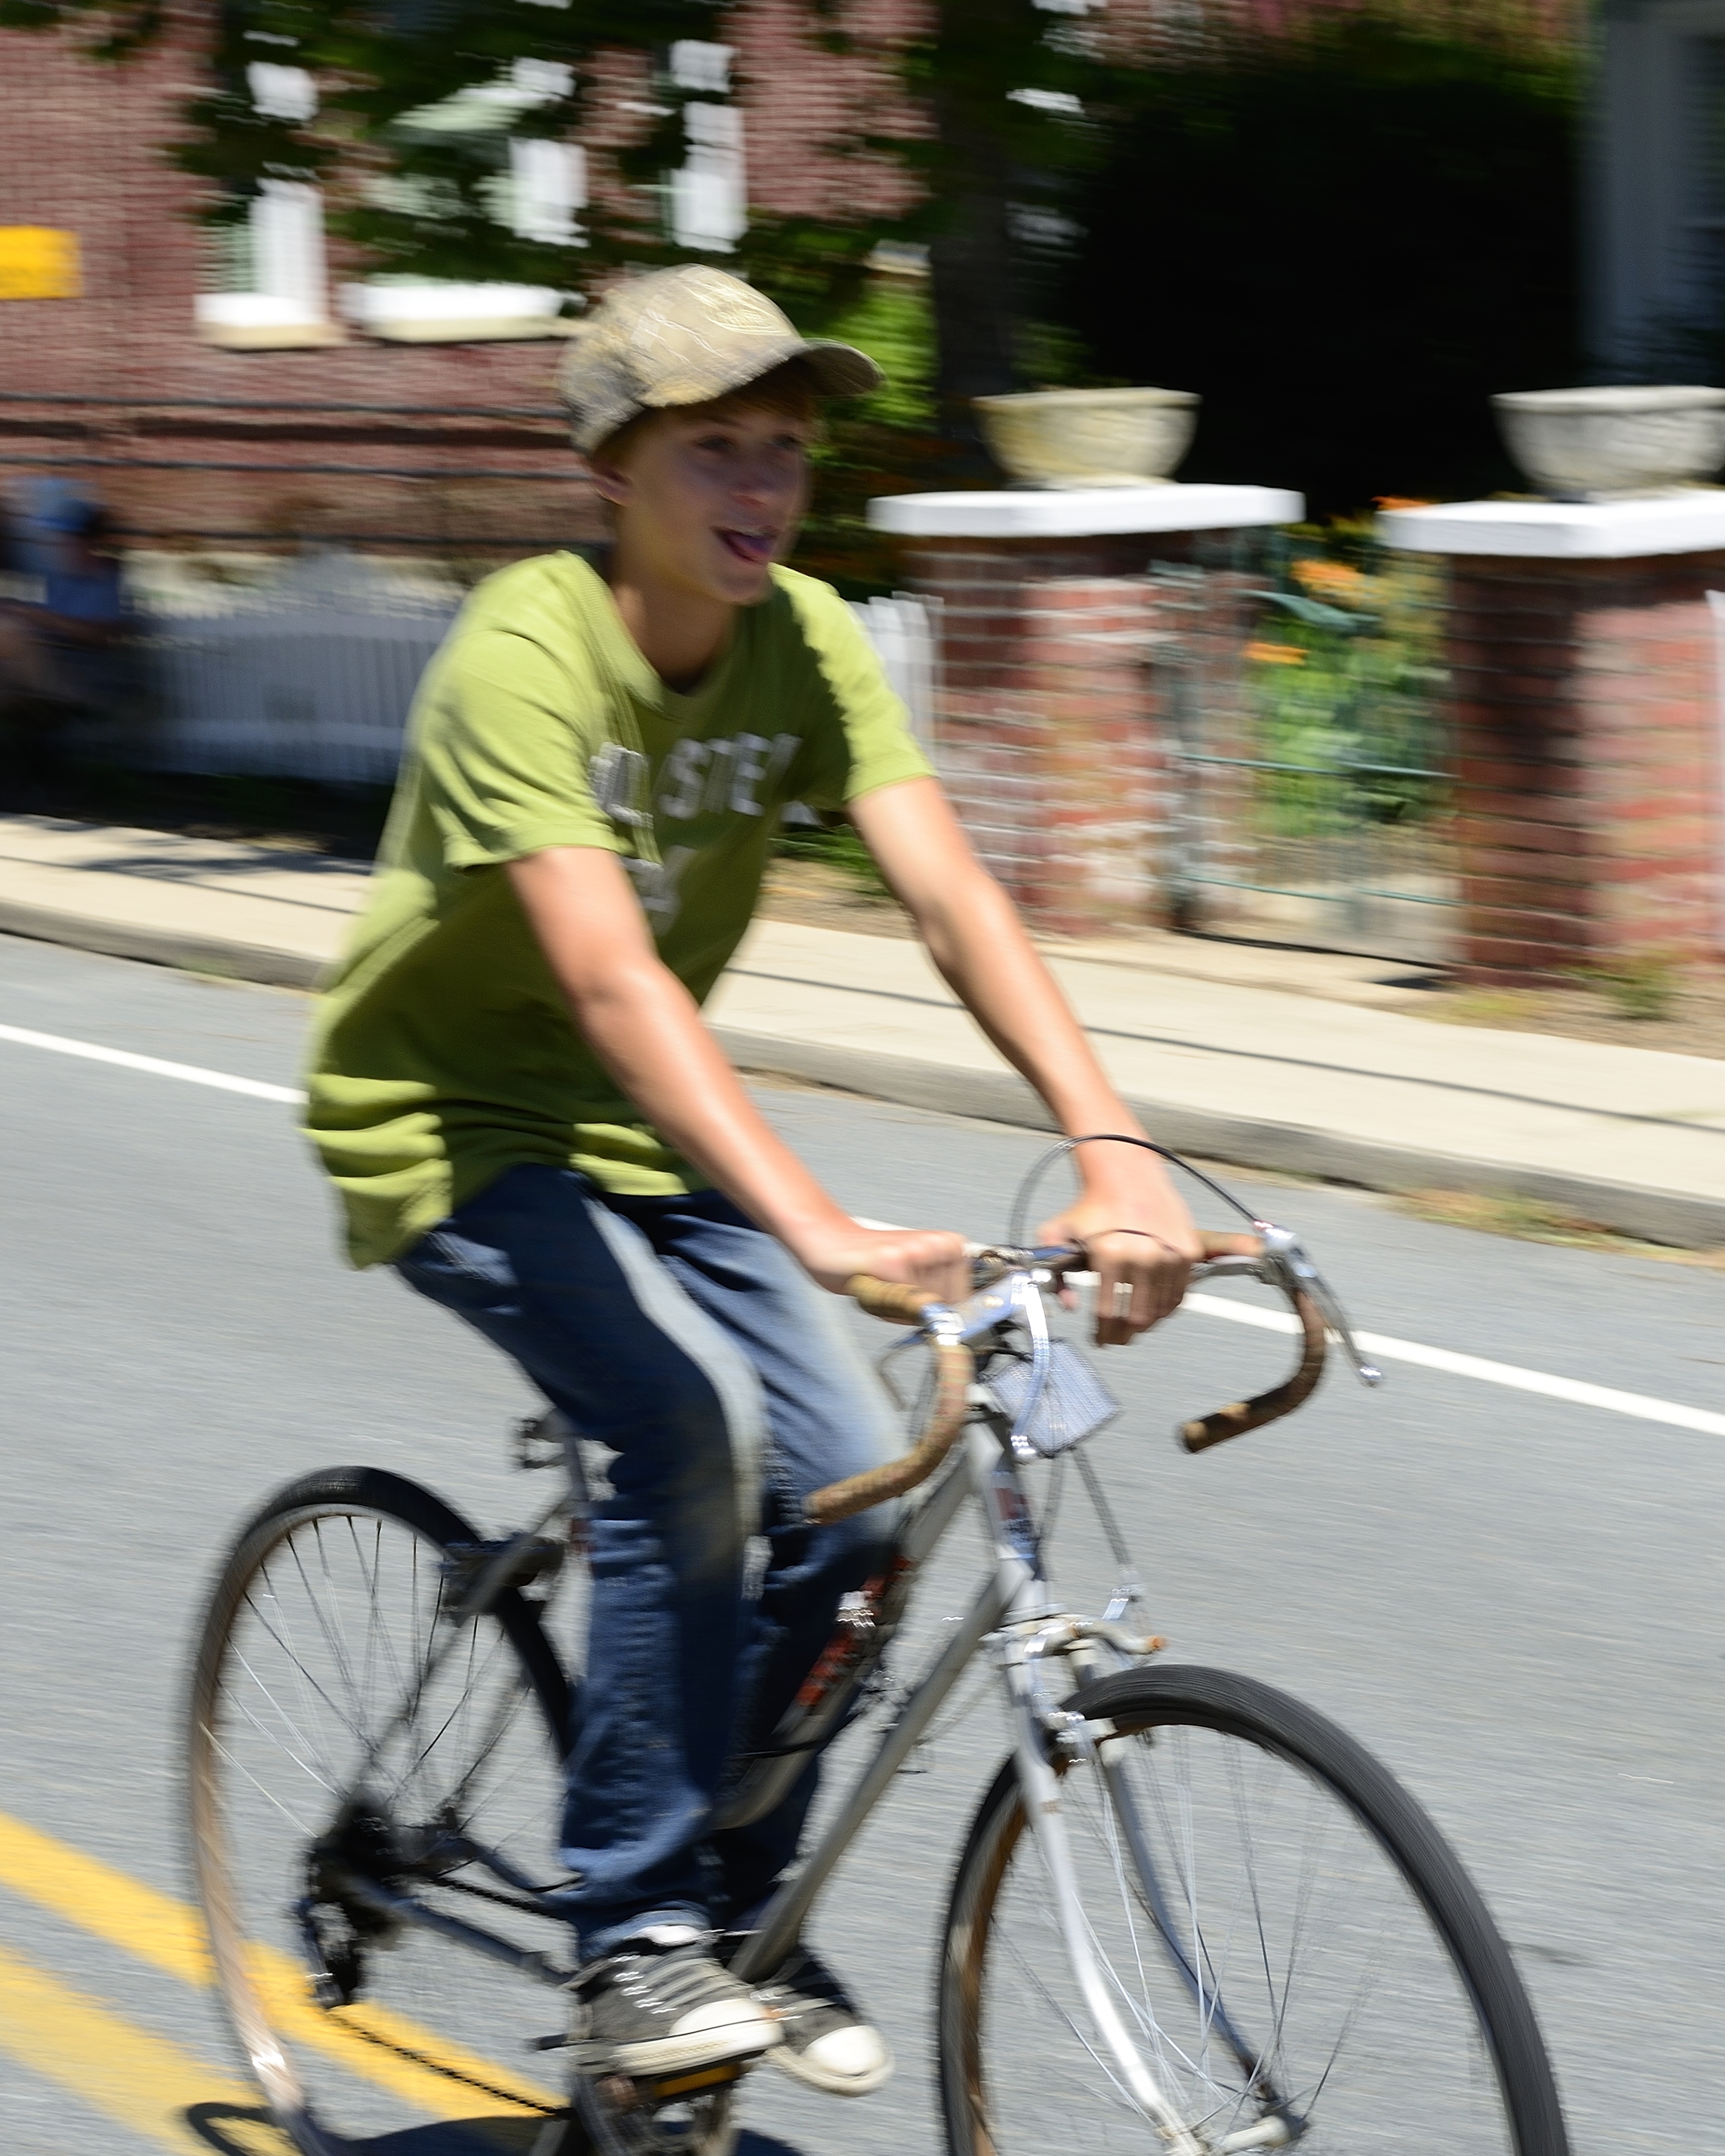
(1515, 1601)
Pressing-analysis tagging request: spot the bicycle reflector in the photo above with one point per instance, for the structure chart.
(1074, 1403)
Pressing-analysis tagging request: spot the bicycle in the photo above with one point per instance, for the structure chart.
(1190, 1915)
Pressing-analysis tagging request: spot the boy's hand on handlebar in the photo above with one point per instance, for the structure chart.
(1134, 1227)
(930, 1258)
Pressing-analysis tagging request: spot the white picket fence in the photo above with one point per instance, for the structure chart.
(906, 632)
(314, 679)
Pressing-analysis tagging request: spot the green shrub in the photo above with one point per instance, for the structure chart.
(1344, 677)
(1640, 984)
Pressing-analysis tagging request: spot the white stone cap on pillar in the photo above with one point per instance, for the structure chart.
(1691, 522)
(1083, 512)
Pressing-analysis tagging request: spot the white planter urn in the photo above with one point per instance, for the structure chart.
(1080, 438)
(1598, 444)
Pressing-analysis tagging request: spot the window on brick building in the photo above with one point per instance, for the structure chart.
(536, 187)
(268, 279)
(707, 201)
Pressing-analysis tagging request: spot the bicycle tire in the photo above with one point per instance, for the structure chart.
(336, 1580)
(1017, 2058)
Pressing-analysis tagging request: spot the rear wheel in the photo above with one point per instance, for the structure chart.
(1294, 1949)
(345, 1735)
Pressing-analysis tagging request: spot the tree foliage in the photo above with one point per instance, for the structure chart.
(1345, 236)
(1345, 241)
(421, 199)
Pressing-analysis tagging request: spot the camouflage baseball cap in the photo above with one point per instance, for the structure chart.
(686, 336)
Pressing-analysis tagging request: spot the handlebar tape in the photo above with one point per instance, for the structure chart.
(892, 1300)
(1281, 1399)
(955, 1366)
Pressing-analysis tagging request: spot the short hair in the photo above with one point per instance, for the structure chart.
(789, 389)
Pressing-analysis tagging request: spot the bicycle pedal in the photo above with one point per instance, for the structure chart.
(538, 1441)
(675, 2112)
(705, 2078)
(627, 2092)
(537, 1558)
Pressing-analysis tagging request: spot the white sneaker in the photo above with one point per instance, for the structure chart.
(828, 2043)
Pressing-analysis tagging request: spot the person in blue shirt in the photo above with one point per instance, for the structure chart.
(82, 606)
(65, 653)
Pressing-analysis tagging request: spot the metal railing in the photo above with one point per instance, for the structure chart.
(1299, 688)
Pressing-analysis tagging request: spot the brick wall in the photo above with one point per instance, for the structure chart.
(1587, 717)
(799, 97)
(82, 150)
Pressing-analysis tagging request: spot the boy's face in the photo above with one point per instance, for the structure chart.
(709, 498)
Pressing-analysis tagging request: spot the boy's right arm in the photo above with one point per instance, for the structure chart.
(647, 1030)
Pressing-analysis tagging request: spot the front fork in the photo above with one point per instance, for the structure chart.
(1036, 1631)
(1040, 1793)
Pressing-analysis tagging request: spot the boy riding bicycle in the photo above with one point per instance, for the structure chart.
(514, 1091)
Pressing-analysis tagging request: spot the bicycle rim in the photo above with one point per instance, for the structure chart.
(1287, 1938)
(325, 1743)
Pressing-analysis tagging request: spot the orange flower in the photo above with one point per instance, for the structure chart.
(1334, 580)
(1276, 655)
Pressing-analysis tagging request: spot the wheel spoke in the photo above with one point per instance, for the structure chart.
(1233, 1862)
(338, 1728)
(312, 1688)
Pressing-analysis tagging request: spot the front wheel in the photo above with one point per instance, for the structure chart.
(1287, 1939)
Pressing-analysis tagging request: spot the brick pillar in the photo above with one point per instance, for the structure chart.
(1585, 701)
(1098, 807)
(1586, 711)
(1045, 730)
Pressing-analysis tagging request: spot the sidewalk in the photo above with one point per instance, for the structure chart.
(1291, 1060)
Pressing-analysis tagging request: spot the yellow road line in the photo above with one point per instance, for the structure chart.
(143, 2081)
(388, 2050)
(393, 2052)
(97, 1898)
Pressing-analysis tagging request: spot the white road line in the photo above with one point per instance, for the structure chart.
(1641, 1405)
(190, 1072)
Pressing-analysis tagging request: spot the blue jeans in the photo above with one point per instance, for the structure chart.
(677, 1333)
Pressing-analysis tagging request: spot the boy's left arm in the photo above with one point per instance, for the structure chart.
(1127, 1214)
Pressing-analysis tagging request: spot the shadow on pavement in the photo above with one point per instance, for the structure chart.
(247, 2130)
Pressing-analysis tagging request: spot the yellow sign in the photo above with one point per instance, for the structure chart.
(38, 263)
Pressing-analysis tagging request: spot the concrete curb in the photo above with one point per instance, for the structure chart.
(1657, 1216)
(268, 963)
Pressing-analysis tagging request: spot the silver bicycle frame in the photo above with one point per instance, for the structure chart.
(1016, 1620)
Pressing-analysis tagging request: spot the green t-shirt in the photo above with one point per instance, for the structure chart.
(444, 1052)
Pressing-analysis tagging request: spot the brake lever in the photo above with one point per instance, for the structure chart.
(999, 1301)
(1285, 1256)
